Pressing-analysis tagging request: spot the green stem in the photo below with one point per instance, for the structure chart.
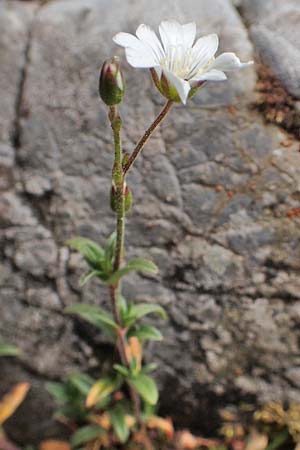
(118, 179)
(148, 133)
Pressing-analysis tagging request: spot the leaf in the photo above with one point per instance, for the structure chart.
(164, 425)
(54, 445)
(133, 350)
(101, 389)
(146, 387)
(12, 400)
(139, 264)
(110, 247)
(90, 250)
(257, 441)
(102, 420)
(149, 367)
(58, 392)
(86, 434)
(88, 276)
(121, 369)
(146, 332)
(94, 315)
(82, 382)
(118, 418)
(122, 306)
(8, 350)
(140, 310)
(278, 440)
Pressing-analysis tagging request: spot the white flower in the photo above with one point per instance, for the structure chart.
(178, 66)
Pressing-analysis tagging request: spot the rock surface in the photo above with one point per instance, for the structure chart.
(212, 196)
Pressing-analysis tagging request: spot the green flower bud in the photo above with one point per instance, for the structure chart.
(111, 83)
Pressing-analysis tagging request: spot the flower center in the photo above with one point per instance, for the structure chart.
(178, 60)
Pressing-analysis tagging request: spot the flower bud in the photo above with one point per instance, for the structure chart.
(114, 199)
(111, 83)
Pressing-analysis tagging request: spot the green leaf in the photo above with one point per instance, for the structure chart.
(117, 415)
(146, 332)
(121, 369)
(139, 264)
(82, 382)
(278, 440)
(87, 276)
(8, 350)
(149, 368)
(85, 434)
(140, 310)
(58, 392)
(90, 250)
(122, 306)
(110, 247)
(94, 315)
(146, 387)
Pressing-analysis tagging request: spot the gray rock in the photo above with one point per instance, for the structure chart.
(212, 192)
(275, 33)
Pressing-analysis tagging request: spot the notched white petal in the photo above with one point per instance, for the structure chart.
(211, 75)
(229, 61)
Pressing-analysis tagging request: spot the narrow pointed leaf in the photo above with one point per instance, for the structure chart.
(87, 276)
(58, 392)
(82, 382)
(146, 387)
(110, 247)
(140, 310)
(11, 401)
(101, 389)
(118, 418)
(146, 332)
(121, 369)
(85, 434)
(138, 264)
(8, 350)
(94, 315)
(90, 250)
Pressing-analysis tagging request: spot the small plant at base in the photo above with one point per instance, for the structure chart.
(178, 68)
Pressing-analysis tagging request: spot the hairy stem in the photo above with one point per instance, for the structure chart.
(148, 133)
(118, 179)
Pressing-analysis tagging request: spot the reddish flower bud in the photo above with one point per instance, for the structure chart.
(111, 83)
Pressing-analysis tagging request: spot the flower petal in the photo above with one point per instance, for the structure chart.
(211, 75)
(182, 86)
(173, 34)
(149, 38)
(229, 61)
(170, 33)
(203, 51)
(138, 54)
(188, 34)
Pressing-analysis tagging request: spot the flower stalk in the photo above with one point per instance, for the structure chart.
(148, 133)
(118, 179)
